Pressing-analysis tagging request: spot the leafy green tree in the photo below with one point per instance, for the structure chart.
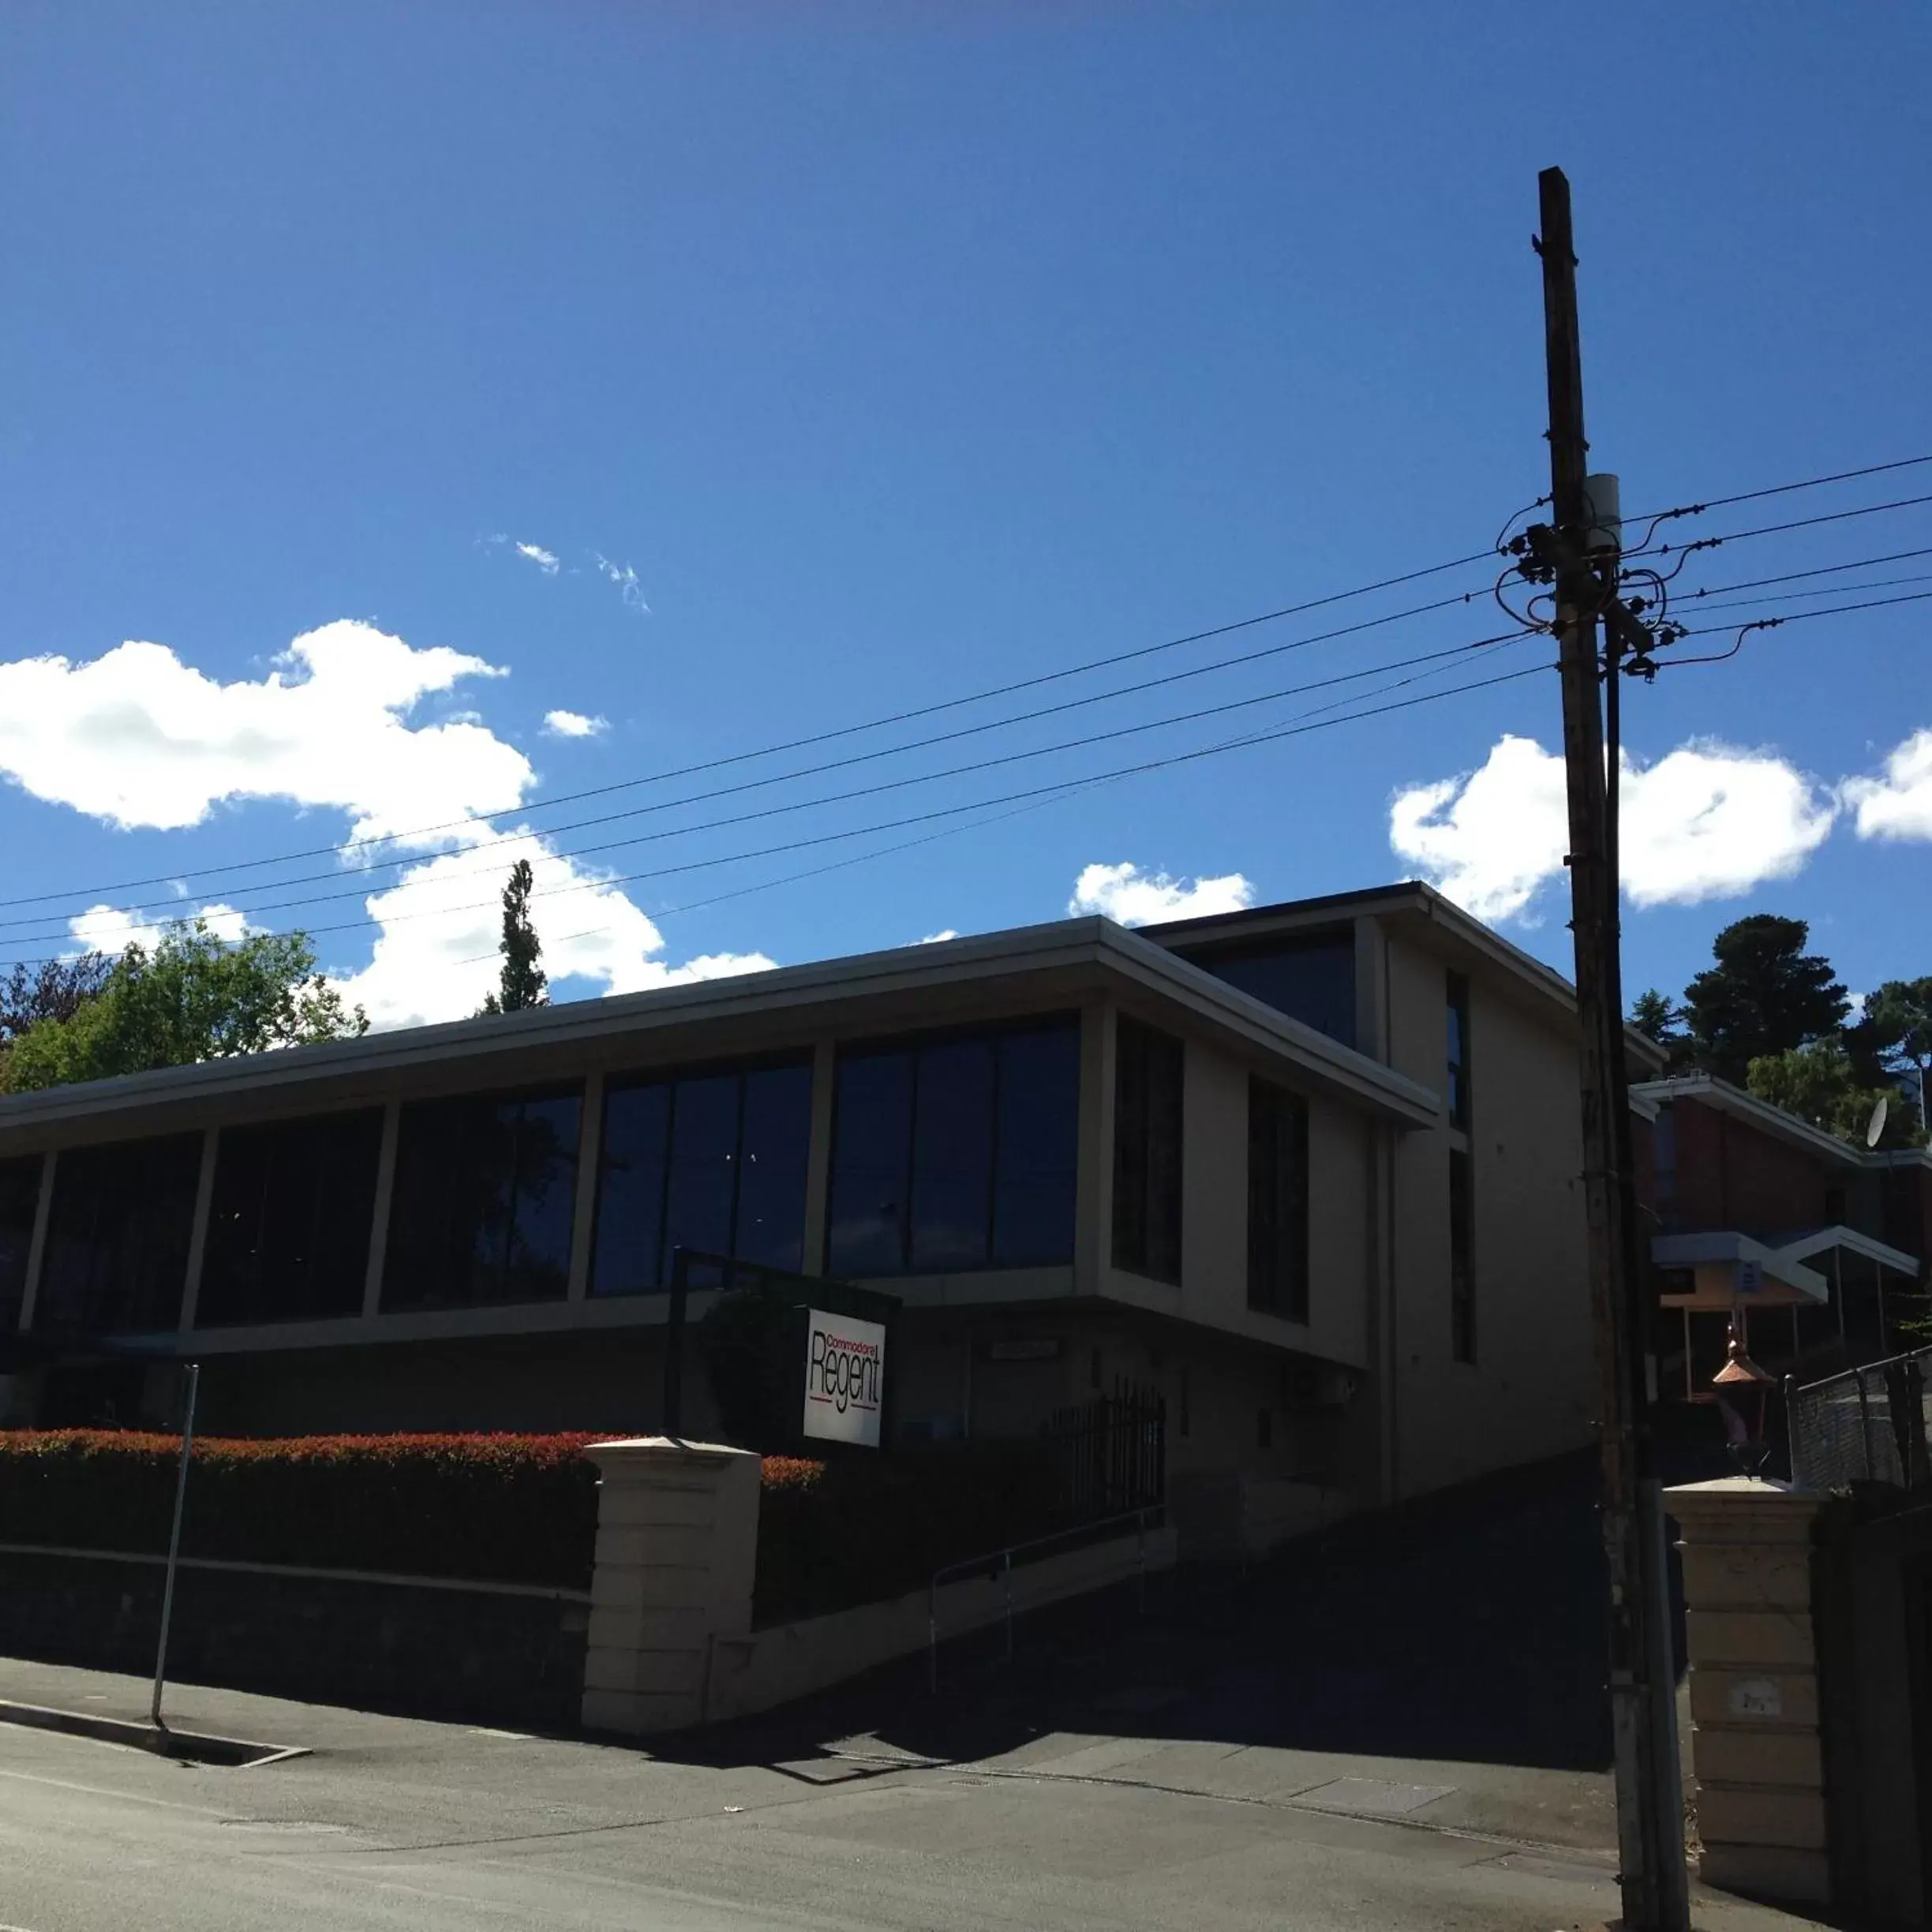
(194, 997)
(1764, 996)
(1651, 1012)
(1894, 1036)
(522, 982)
(1820, 1083)
(55, 989)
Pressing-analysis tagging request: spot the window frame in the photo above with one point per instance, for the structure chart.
(1066, 1022)
(1132, 1248)
(1278, 1282)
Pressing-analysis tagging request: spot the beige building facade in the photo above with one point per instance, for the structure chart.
(1310, 1171)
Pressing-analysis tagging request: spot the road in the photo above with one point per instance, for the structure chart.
(394, 1822)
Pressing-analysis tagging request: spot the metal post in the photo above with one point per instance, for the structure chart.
(173, 1554)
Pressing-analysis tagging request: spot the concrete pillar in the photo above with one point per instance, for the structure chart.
(676, 1551)
(1753, 1686)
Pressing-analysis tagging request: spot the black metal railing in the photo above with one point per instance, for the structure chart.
(1869, 1424)
(1111, 1454)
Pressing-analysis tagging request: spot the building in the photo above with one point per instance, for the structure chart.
(1817, 1248)
(1310, 1169)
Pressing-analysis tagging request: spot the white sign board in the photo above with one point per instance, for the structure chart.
(844, 1378)
(1750, 1278)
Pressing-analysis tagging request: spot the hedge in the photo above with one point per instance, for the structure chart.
(513, 1509)
(510, 1509)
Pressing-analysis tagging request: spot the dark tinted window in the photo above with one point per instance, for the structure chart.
(1312, 979)
(713, 1161)
(1458, 1046)
(118, 1234)
(20, 1194)
(485, 1190)
(956, 1153)
(1278, 1201)
(1462, 1257)
(1147, 1118)
(290, 1221)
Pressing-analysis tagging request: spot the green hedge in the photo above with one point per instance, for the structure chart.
(511, 1509)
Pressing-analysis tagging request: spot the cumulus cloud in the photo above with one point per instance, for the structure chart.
(138, 738)
(1898, 803)
(626, 579)
(114, 929)
(1706, 821)
(1125, 893)
(572, 724)
(939, 937)
(436, 955)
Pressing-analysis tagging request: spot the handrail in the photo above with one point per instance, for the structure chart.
(999, 1563)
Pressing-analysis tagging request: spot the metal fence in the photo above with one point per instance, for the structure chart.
(1869, 1424)
(1111, 1454)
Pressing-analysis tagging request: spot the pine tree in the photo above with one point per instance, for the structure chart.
(1766, 995)
(522, 982)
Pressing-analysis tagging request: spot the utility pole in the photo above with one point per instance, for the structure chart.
(1642, 1679)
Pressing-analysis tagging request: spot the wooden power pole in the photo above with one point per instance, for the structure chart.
(1642, 1675)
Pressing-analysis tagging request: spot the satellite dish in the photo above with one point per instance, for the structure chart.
(1874, 1127)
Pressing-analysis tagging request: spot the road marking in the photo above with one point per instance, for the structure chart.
(103, 1791)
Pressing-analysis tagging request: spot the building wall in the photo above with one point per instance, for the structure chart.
(1530, 1391)
(1731, 1176)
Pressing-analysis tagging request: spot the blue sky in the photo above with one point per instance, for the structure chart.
(885, 355)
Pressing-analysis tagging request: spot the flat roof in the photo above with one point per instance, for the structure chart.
(1092, 950)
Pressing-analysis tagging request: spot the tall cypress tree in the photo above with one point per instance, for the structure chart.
(1764, 995)
(522, 981)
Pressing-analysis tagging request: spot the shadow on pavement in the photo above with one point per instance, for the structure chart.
(1468, 1625)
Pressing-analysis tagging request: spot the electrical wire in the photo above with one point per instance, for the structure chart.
(1165, 762)
(916, 778)
(909, 715)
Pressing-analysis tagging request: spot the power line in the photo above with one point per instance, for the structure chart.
(1779, 489)
(915, 778)
(1770, 529)
(1821, 570)
(1784, 596)
(945, 811)
(841, 764)
(772, 751)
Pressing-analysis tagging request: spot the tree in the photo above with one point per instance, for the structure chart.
(1651, 1013)
(1894, 1036)
(1820, 1083)
(56, 991)
(522, 982)
(1764, 996)
(195, 996)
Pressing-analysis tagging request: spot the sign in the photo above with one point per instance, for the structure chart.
(844, 1378)
(1758, 1697)
(1749, 1277)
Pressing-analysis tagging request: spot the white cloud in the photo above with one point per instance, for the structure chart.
(1899, 804)
(626, 579)
(572, 724)
(113, 929)
(939, 937)
(1125, 893)
(435, 952)
(1707, 821)
(138, 738)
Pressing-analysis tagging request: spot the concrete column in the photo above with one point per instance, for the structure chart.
(1094, 1170)
(1753, 1686)
(676, 1552)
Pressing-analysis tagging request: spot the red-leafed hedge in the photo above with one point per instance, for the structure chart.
(512, 1509)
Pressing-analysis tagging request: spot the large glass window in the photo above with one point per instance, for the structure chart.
(956, 1153)
(1149, 1067)
(1278, 1201)
(713, 1161)
(1311, 978)
(485, 1190)
(1462, 1256)
(289, 1221)
(1459, 1049)
(20, 1195)
(117, 1235)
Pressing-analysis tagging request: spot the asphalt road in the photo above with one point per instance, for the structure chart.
(393, 1822)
